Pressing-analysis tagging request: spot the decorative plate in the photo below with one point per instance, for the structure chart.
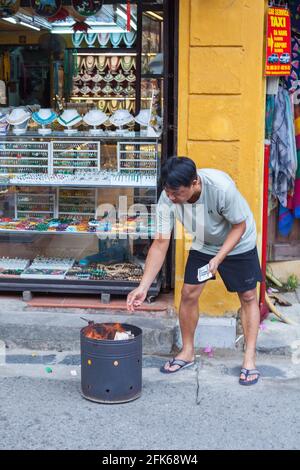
(87, 7)
(9, 8)
(46, 8)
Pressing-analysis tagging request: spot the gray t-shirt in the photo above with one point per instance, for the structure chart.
(210, 219)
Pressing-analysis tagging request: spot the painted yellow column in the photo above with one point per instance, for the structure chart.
(221, 108)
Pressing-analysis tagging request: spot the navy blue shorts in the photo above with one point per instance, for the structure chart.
(239, 272)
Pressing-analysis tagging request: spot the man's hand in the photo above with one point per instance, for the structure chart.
(136, 297)
(214, 264)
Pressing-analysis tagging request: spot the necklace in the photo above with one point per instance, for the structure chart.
(108, 77)
(77, 39)
(90, 63)
(90, 39)
(102, 62)
(113, 106)
(102, 105)
(127, 63)
(114, 63)
(131, 77)
(120, 77)
(44, 117)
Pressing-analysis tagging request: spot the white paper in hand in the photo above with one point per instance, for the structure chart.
(204, 273)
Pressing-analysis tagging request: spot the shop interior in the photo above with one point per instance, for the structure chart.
(85, 119)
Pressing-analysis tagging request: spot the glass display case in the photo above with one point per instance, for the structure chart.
(77, 214)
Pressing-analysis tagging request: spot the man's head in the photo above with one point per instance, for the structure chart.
(179, 179)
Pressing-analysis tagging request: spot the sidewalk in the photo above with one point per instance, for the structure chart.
(54, 324)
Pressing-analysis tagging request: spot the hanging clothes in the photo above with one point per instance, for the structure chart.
(292, 82)
(296, 196)
(283, 158)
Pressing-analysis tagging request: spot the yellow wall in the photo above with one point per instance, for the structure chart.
(221, 108)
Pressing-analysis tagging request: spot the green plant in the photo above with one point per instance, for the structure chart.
(292, 282)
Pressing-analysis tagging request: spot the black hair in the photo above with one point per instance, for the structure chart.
(178, 171)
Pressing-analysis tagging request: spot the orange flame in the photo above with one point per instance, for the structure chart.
(101, 331)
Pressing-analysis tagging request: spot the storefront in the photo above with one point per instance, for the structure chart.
(217, 117)
(87, 118)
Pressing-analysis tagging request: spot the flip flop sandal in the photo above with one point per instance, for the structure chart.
(247, 373)
(177, 362)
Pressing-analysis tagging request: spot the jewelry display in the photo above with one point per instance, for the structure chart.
(96, 89)
(77, 202)
(121, 118)
(90, 39)
(76, 90)
(118, 90)
(77, 39)
(34, 204)
(68, 119)
(96, 271)
(131, 77)
(113, 63)
(129, 90)
(120, 77)
(107, 90)
(44, 117)
(128, 63)
(90, 63)
(142, 178)
(115, 39)
(86, 77)
(113, 106)
(103, 105)
(108, 77)
(13, 263)
(102, 63)
(97, 78)
(129, 38)
(60, 202)
(103, 39)
(143, 118)
(95, 118)
(19, 118)
(85, 90)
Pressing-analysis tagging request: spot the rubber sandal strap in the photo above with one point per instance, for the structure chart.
(253, 372)
(179, 362)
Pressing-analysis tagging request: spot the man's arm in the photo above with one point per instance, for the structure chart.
(231, 241)
(153, 264)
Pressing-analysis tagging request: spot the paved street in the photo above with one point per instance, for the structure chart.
(203, 408)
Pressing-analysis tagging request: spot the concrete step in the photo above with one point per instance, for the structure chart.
(40, 330)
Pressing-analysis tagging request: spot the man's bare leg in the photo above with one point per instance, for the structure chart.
(188, 319)
(250, 317)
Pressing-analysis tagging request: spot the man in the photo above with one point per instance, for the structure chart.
(224, 238)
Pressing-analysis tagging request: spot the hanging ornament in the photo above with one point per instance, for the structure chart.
(87, 7)
(46, 8)
(9, 8)
(128, 15)
(60, 16)
(80, 26)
